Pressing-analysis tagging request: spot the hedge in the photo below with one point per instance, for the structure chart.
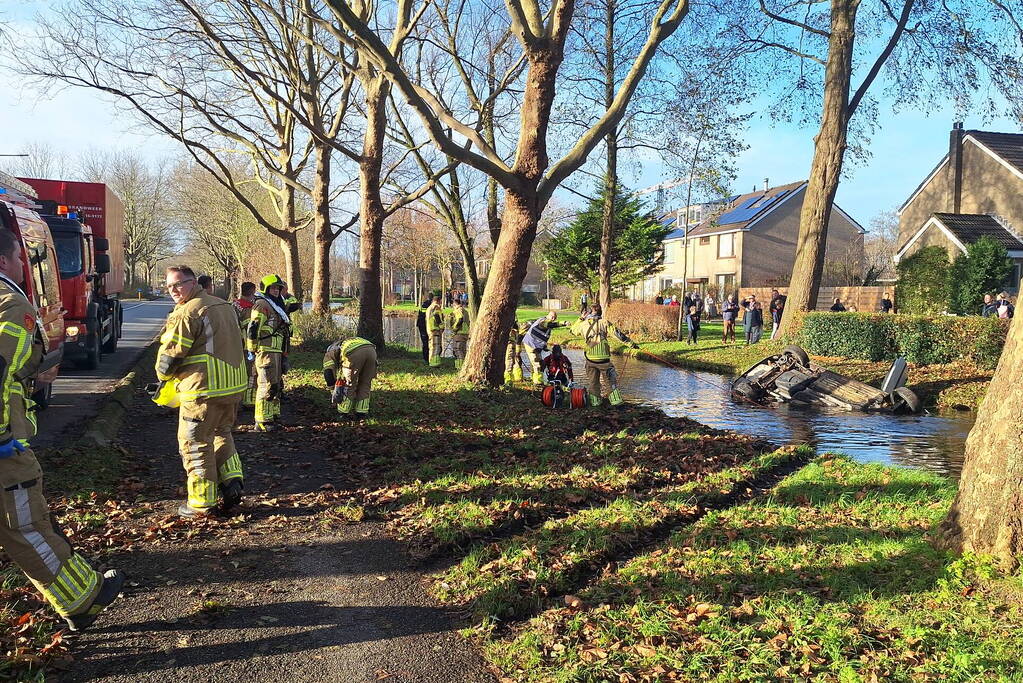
(921, 339)
(645, 322)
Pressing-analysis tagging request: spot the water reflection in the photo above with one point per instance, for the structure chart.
(932, 442)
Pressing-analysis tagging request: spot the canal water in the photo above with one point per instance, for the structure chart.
(931, 441)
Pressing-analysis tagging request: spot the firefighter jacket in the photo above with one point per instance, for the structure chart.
(201, 349)
(539, 333)
(337, 355)
(514, 335)
(595, 331)
(21, 351)
(243, 308)
(555, 365)
(434, 319)
(458, 321)
(269, 326)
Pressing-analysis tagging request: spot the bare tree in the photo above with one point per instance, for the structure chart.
(41, 160)
(879, 247)
(957, 50)
(530, 180)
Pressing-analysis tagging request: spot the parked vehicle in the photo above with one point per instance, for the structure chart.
(42, 284)
(789, 376)
(87, 223)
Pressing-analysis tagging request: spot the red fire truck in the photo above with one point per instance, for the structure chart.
(87, 223)
(41, 283)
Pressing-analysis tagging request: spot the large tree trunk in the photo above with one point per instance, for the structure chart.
(611, 188)
(322, 230)
(289, 245)
(826, 170)
(987, 515)
(371, 214)
(493, 215)
(484, 361)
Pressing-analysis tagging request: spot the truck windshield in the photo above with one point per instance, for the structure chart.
(69, 253)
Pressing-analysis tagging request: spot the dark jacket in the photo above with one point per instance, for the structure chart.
(730, 310)
(989, 310)
(421, 317)
(754, 316)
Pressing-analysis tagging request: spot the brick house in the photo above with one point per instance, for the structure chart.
(976, 190)
(749, 241)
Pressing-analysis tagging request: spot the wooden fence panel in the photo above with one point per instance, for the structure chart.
(862, 299)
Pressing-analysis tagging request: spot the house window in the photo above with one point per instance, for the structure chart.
(726, 284)
(669, 252)
(726, 245)
(704, 240)
(1012, 282)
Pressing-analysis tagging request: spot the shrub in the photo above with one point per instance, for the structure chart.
(924, 340)
(923, 282)
(317, 332)
(528, 299)
(645, 322)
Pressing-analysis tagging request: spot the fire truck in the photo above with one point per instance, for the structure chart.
(87, 223)
(18, 204)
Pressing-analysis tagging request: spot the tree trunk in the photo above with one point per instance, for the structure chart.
(484, 361)
(322, 230)
(987, 514)
(289, 246)
(826, 170)
(611, 187)
(493, 216)
(371, 214)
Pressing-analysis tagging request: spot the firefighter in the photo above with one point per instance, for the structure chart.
(424, 337)
(512, 365)
(535, 340)
(202, 367)
(458, 323)
(266, 340)
(435, 328)
(357, 360)
(557, 367)
(243, 306)
(600, 373)
(27, 533)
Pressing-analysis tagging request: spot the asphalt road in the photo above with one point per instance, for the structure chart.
(77, 393)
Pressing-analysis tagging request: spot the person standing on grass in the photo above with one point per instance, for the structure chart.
(512, 355)
(710, 306)
(754, 320)
(693, 324)
(458, 323)
(535, 340)
(729, 312)
(583, 300)
(28, 535)
(243, 307)
(424, 337)
(777, 307)
(602, 380)
(435, 328)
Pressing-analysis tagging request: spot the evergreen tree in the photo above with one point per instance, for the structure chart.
(573, 255)
(981, 270)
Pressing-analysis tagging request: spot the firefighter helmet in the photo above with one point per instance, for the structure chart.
(270, 281)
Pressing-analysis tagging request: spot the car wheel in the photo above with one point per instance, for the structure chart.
(746, 389)
(797, 353)
(905, 402)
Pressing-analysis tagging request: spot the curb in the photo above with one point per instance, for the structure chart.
(107, 423)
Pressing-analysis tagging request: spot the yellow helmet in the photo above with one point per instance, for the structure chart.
(270, 281)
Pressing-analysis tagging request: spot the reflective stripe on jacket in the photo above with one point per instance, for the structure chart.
(595, 331)
(21, 352)
(268, 329)
(458, 321)
(434, 319)
(201, 348)
(337, 353)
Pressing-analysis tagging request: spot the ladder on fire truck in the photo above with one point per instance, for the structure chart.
(17, 192)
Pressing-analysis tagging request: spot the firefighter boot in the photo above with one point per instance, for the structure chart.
(232, 494)
(113, 580)
(186, 511)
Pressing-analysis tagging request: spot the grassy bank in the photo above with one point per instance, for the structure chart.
(522, 314)
(627, 545)
(953, 385)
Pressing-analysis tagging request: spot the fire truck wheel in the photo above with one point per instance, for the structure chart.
(92, 354)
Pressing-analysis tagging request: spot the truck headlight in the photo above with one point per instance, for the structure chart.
(71, 331)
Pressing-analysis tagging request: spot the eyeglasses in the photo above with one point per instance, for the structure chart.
(179, 284)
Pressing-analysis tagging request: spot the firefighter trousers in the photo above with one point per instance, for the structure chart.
(458, 347)
(602, 382)
(30, 539)
(536, 365)
(207, 446)
(436, 346)
(358, 371)
(269, 386)
(512, 366)
(249, 398)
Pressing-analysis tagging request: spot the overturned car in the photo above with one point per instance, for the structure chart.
(789, 377)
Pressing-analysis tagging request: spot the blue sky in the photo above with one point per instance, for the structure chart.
(904, 149)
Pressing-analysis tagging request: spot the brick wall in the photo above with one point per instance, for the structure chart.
(865, 299)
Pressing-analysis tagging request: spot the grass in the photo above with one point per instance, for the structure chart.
(625, 545)
(522, 313)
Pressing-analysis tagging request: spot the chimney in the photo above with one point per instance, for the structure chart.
(767, 184)
(955, 166)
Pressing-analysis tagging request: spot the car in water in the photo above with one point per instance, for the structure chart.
(790, 377)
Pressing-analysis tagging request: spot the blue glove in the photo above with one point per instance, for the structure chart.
(11, 447)
(250, 357)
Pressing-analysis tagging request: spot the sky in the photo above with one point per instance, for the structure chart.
(904, 149)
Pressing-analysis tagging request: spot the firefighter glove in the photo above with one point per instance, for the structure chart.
(250, 357)
(285, 365)
(11, 447)
(329, 377)
(153, 388)
(340, 391)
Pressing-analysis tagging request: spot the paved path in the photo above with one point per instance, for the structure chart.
(76, 392)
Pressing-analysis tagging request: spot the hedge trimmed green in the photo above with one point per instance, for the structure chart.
(921, 339)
